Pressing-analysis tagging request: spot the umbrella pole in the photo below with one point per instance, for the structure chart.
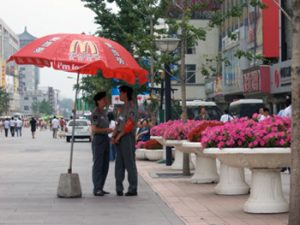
(69, 183)
(73, 127)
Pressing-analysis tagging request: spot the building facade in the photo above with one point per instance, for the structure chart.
(195, 59)
(29, 78)
(9, 44)
(196, 56)
(265, 33)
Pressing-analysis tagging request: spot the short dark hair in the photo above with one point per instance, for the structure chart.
(99, 96)
(128, 90)
(266, 109)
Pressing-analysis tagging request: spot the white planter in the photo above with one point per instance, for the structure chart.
(178, 162)
(232, 181)
(205, 168)
(140, 153)
(266, 190)
(266, 193)
(154, 154)
(173, 143)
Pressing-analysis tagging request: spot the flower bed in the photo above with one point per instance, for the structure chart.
(152, 144)
(179, 129)
(196, 133)
(271, 132)
(160, 129)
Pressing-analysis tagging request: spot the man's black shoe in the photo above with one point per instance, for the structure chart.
(105, 192)
(131, 194)
(99, 193)
(119, 193)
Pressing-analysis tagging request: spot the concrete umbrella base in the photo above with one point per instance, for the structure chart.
(69, 186)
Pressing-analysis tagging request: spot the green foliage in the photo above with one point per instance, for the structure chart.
(90, 85)
(152, 105)
(4, 101)
(249, 55)
(130, 25)
(43, 107)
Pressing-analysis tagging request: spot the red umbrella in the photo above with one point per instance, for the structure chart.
(82, 53)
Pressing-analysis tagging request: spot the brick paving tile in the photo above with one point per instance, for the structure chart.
(198, 203)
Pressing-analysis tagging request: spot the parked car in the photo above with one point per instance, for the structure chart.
(245, 107)
(193, 109)
(82, 129)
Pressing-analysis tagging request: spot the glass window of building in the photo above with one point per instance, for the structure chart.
(190, 71)
(191, 50)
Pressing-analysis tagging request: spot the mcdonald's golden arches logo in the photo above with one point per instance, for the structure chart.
(83, 51)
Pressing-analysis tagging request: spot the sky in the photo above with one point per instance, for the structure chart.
(43, 17)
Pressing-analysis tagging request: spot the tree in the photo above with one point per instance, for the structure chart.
(294, 216)
(42, 107)
(90, 85)
(45, 108)
(4, 101)
(189, 37)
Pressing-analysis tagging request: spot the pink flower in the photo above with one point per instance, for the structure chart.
(271, 132)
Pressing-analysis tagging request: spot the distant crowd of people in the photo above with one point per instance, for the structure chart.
(13, 126)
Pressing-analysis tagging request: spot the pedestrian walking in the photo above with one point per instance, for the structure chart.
(100, 143)
(33, 123)
(12, 126)
(6, 127)
(124, 138)
(62, 124)
(19, 125)
(55, 126)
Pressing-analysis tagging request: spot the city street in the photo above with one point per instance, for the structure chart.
(29, 174)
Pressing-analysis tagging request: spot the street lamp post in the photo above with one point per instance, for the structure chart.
(167, 45)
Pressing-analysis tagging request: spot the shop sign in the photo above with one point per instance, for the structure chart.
(281, 77)
(257, 79)
(251, 81)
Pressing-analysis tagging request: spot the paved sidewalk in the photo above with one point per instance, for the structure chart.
(29, 174)
(197, 204)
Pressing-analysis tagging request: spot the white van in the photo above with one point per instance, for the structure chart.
(193, 109)
(245, 107)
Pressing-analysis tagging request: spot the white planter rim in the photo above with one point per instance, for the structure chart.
(191, 144)
(156, 137)
(265, 150)
(173, 142)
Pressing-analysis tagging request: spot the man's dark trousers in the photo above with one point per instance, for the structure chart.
(126, 160)
(100, 147)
